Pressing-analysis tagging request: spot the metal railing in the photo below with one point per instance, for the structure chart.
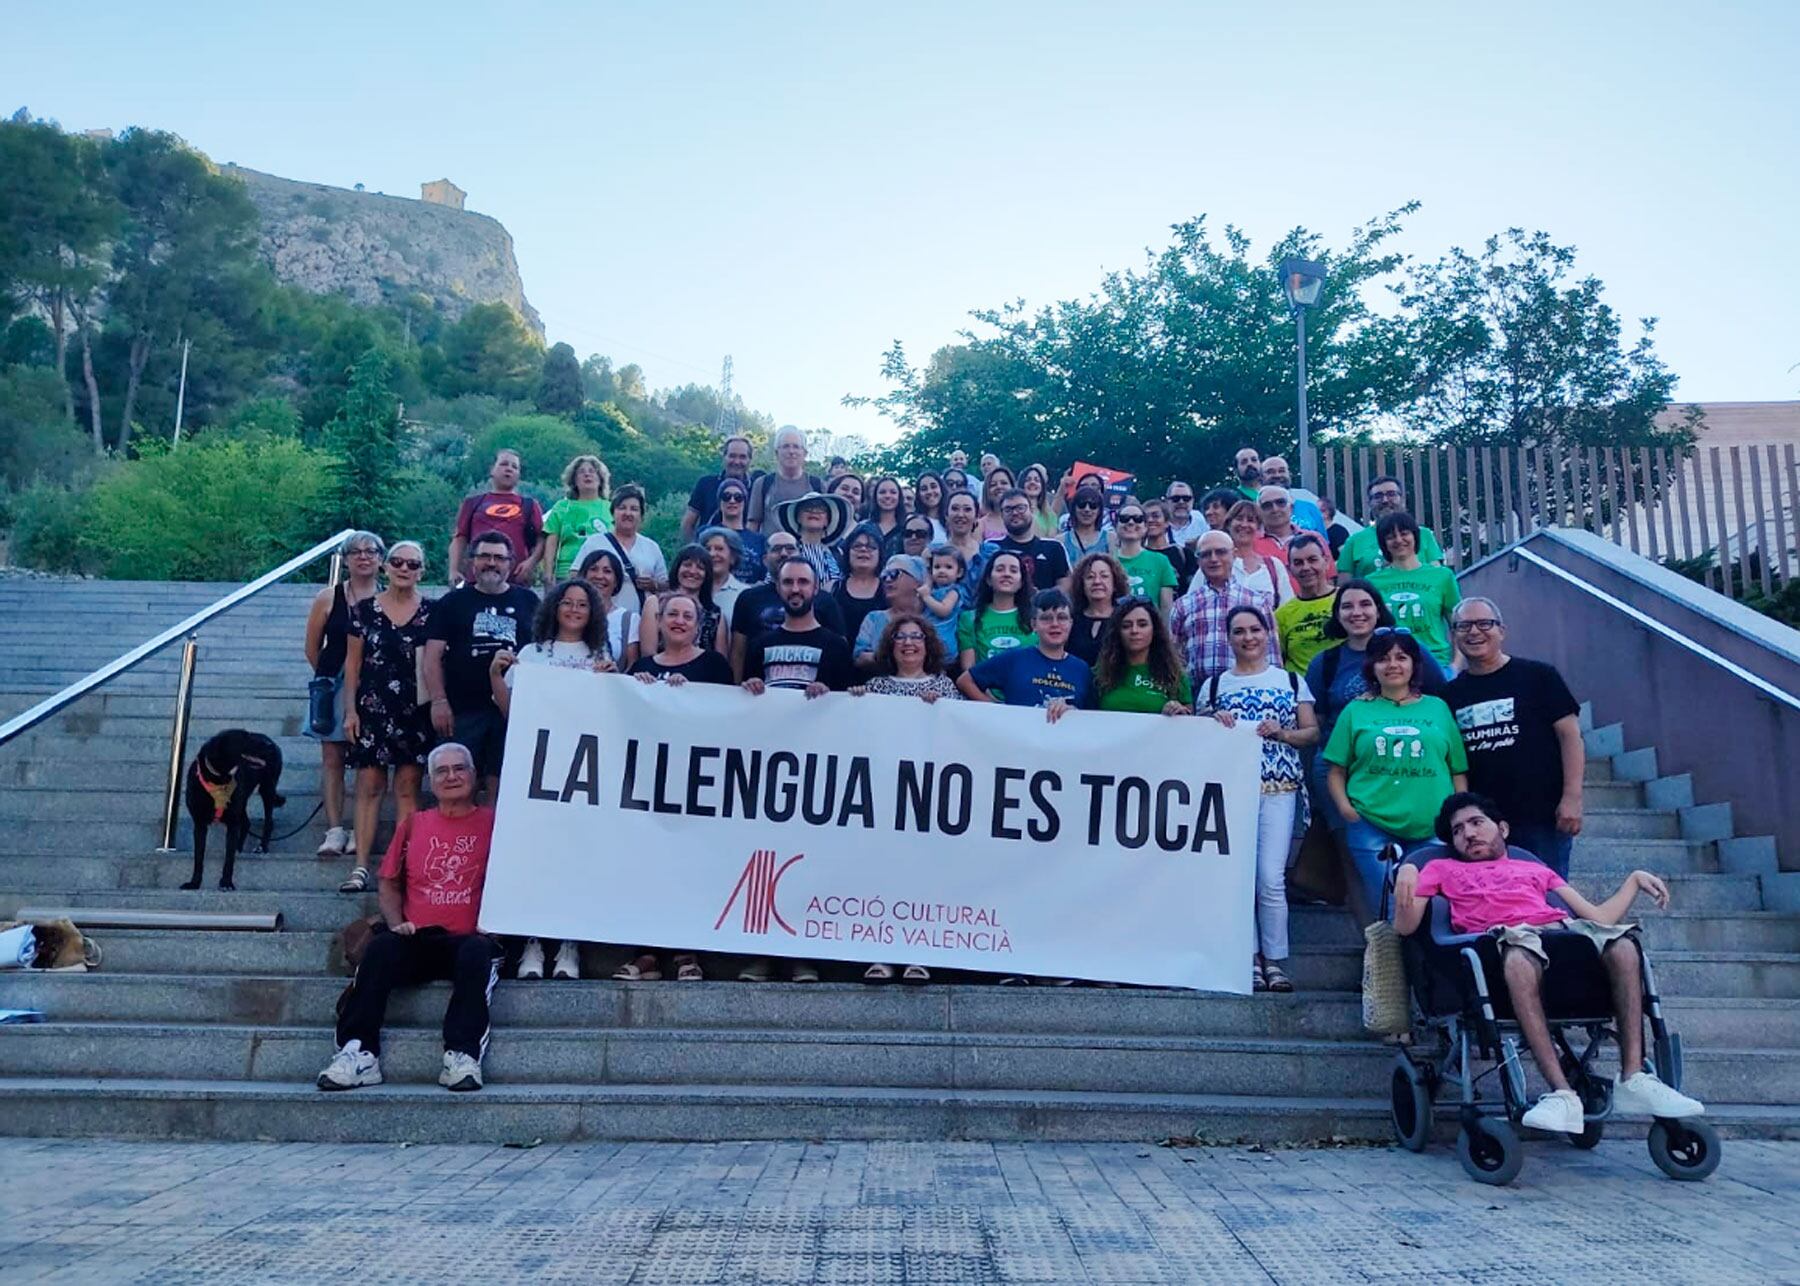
(184, 630)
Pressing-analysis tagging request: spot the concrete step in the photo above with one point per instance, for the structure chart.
(1601, 857)
(1598, 769)
(111, 996)
(146, 749)
(1662, 930)
(132, 801)
(301, 771)
(1630, 823)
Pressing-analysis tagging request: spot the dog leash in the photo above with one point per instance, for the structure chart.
(302, 826)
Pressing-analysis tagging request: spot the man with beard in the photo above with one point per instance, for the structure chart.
(1049, 564)
(703, 502)
(1362, 552)
(803, 655)
(1246, 467)
(759, 610)
(800, 653)
(467, 627)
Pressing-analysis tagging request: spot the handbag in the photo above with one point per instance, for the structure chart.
(1386, 1004)
(321, 704)
(1318, 871)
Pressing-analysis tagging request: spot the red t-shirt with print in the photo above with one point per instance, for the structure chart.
(442, 862)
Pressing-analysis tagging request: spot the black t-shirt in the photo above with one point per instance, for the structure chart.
(1506, 719)
(759, 609)
(1184, 563)
(1049, 562)
(1084, 637)
(704, 498)
(854, 609)
(708, 667)
(797, 658)
(474, 626)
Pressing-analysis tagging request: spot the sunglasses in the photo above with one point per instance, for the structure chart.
(1087, 504)
(918, 535)
(1397, 631)
(1125, 518)
(1136, 600)
(406, 564)
(1179, 500)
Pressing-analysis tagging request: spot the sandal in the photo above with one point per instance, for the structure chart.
(915, 975)
(357, 883)
(1259, 977)
(687, 969)
(1277, 978)
(642, 969)
(878, 973)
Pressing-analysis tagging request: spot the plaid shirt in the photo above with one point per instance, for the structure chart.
(1197, 620)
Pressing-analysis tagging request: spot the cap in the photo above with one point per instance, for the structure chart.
(912, 565)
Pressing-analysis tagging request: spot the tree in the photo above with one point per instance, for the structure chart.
(559, 389)
(186, 251)
(489, 351)
(597, 379)
(56, 215)
(1164, 370)
(1509, 348)
(630, 382)
(365, 443)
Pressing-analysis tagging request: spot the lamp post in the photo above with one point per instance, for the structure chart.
(1301, 282)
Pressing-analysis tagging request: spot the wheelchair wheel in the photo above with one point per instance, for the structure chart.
(1686, 1150)
(1490, 1151)
(1410, 1106)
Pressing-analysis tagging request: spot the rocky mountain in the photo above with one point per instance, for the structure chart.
(376, 248)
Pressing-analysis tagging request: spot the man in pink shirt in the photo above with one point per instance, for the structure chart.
(431, 883)
(1490, 891)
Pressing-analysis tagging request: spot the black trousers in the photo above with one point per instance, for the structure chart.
(471, 961)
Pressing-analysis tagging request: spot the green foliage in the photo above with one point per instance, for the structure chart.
(423, 511)
(559, 389)
(365, 443)
(214, 510)
(263, 417)
(662, 523)
(545, 444)
(488, 351)
(47, 528)
(37, 442)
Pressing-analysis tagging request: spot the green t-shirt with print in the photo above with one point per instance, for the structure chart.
(1300, 624)
(1361, 554)
(1421, 600)
(573, 521)
(1137, 692)
(997, 632)
(1149, 573)
(1399, 760)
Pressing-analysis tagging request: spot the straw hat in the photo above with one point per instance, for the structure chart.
(787, 515)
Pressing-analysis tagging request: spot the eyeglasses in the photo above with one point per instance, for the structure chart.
(1398, 631)
(493, 558)
(1274, 504)
(909, 636)
(1482, 624)
(406, 564)
(363, 551)
(1383, 495)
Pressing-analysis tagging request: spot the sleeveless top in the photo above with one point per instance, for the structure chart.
(337, 628)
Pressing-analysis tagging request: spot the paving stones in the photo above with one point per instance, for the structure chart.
(963, 1213)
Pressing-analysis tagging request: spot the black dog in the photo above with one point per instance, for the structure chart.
(228, 769)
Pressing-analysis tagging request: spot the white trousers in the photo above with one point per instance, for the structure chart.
(1274, 835)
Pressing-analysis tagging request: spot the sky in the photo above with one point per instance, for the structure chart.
(800, 185)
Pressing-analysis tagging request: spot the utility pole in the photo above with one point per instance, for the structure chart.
(727, 422)
(181, 391)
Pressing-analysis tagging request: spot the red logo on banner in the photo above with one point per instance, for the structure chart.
(758, 883)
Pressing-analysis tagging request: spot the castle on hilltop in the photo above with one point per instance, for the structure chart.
(443, 192)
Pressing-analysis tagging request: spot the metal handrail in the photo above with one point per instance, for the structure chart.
(144, 651)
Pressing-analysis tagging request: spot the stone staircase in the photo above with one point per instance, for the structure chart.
(208, 1034)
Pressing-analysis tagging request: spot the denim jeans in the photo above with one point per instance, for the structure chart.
(1365, 842)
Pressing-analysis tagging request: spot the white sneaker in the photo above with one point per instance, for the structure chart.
(460, 1072)
(531, 960)
(350, 1067)
(568, 962)
(336, 842)
(1559, 1110)
(1641, 1094)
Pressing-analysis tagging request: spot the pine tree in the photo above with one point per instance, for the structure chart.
(559, 390)
(366, 439)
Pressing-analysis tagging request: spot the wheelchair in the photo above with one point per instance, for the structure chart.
(1460, 1022)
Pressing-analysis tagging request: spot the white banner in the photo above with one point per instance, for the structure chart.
(1118, 847)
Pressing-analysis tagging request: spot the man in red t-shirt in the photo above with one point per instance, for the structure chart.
(1489, 890)
(431, 884)
(505, 510)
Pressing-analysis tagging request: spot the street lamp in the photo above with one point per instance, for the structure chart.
(1301, 282)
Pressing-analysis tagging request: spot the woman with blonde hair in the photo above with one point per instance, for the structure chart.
(583, 511)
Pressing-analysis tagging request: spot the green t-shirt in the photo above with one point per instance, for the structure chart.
(1421, 600)
(1361, 554)
(998, 632)
(1136, 693)
(573, 521)
(1399, 759)
(1149, 573)
(1300, 624)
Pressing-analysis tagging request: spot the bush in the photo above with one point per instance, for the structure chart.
(47, 526)
(663, 523)
(37, 442)
(213, 510)
(424, 511)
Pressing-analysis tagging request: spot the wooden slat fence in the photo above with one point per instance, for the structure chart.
(1736, 509)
